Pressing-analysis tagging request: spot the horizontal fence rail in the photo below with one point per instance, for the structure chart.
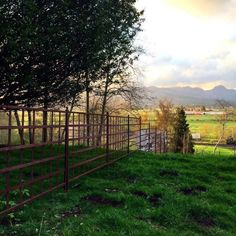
(42, 150)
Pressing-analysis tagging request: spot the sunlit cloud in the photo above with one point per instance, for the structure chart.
(208, 8)
(183, 48)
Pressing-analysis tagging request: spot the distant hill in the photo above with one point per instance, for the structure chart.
(190, 96)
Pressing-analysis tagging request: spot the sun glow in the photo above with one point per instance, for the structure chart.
(180, 33)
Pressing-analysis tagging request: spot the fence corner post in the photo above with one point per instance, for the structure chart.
(128, 132)
(107, 138)
(66, 160)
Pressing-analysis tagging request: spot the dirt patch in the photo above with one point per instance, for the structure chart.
(169, 173)
(193, 190)
(143, 218)
(131, 179)
(140, 194)
(205, 221)
(103, 201)
(75, 211)
(153, 199)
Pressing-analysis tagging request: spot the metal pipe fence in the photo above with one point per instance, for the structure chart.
(42, 150)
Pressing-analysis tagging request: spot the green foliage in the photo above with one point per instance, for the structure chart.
(48, 48)
(182, 139)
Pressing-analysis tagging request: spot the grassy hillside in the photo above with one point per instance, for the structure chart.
(145, 194)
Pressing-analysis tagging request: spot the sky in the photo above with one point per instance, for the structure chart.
(188, 43)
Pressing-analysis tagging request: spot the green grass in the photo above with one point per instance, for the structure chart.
(24, 176)
(210, 128)
(209, 150)
(144, 194)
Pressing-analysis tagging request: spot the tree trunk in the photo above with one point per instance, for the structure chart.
(87, 109)
(104, 102)
(20, 130)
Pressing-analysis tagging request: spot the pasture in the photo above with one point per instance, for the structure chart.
(146, 194)
(210, 127)
(220, 151)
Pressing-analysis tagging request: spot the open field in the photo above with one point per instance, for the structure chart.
(145, 194)
(207, 125)
(210, 128)
(209, 150)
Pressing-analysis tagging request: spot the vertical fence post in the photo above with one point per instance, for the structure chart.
(107, 138)
(66, 160)
(149, 136)
(160, 142)
(45, 126)
(140, 133)
(128, 132)
(155, 140)
(88, 128)
(165, 142)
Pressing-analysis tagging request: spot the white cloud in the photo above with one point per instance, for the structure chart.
(182, 48)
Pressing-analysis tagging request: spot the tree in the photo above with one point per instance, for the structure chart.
(165, 115)
(52, 51)
(123, 25)
(182, 139)
(222, 119)
(35, 54)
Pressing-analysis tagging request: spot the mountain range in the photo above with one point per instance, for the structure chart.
(190, 96)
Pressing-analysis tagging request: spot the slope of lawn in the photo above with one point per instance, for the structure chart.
(144, 194)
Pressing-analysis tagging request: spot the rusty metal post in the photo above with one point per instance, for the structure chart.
(107, 138)
(140, 133)
(66, 160)
(88, 128)
(155, 140)
(128, 132)
(149, 136)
